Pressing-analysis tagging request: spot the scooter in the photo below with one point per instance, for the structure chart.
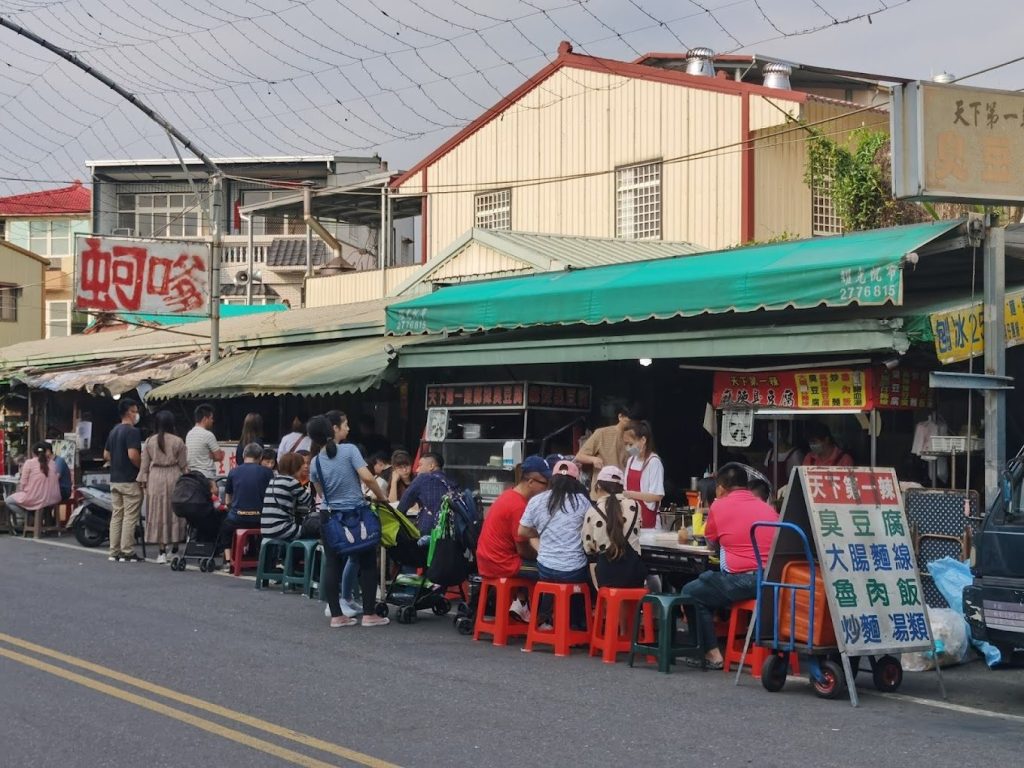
(90, 519)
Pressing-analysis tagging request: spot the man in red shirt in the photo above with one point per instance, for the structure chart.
(823, 449)
(732, 514)
(500, 549)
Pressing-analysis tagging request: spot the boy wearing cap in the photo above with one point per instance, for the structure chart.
(500, 549)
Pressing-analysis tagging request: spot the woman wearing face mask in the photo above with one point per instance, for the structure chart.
(823, 450)
(645, 474)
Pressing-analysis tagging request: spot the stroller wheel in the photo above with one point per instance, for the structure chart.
(406, 614)
(441, 607)
(202, 565)
(464, 625)
(182, 564)
(382, 610)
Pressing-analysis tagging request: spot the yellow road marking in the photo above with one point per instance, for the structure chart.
(228, 714)
(176, 714)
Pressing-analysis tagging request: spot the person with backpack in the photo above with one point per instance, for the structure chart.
(338, 472)
(611, 534)
(428, 489)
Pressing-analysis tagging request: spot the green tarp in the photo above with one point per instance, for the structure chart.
(863, 268)
(352, 365)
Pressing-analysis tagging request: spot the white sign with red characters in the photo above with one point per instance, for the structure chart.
(164, 277)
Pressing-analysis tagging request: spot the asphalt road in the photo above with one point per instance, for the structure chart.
(106, 664)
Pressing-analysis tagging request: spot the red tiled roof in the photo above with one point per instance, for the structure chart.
(49, 202)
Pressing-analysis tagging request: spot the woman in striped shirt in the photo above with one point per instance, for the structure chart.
(286, 501)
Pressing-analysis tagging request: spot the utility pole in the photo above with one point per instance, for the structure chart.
(216, 175)
(995, 352)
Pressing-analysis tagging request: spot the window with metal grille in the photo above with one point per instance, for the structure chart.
(638, 202)
(161, 215)
(9, 303)
(494, 209)
(824, 219)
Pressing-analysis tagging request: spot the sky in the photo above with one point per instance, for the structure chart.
(398, 77)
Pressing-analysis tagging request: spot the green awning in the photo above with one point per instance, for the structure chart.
(845, 337)
(863, 268)
(353, 365)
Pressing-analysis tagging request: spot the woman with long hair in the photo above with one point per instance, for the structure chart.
(38, 486)
(555, 518)
(644, 472)
(338, 471)
(611, 534)
(401, 475)
(164, 460)
(252, 432)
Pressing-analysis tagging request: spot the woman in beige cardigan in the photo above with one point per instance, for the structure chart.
(164, 460)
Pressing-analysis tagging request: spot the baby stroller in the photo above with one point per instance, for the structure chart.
(191, 501)
(444, 562)
(407, 591)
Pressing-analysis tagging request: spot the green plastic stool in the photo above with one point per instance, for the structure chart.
(313, 589)
(291, 578)
(665, 648)
(271, 551)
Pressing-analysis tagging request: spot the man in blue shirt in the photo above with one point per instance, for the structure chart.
(243, 494)
(427, 489)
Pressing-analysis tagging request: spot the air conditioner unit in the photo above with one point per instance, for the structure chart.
(56, 262)
(122, 232)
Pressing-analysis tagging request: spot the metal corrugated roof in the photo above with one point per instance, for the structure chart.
(578, 252)
(269, 329)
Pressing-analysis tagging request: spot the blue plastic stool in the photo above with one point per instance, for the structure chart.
(271, 554)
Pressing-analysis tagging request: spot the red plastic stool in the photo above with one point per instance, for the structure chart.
(500, 627)
(244, 537)
(607, 638)
(562, 636)
(740, 616)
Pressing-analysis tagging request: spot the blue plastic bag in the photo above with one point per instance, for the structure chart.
(951, 577)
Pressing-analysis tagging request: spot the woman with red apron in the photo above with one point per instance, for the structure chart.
(645, 474)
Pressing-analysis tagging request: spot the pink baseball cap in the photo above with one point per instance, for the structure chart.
(566, 468)
(609, 474)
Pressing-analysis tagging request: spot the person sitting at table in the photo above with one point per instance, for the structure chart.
(244, 491)
(611, 534)
(286, 502)
(732, 514)
(823, 449)
(500, 551)
(555, 517)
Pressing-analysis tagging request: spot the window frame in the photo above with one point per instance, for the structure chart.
(637, 189)
(9, 295)
(164, 219)
(825, 221)
(67, 321)
(495, 211)
(42, 243)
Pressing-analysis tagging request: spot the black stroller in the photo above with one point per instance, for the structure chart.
(191, 501)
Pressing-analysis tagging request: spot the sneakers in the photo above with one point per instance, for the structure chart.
(342, 621)
(129, 557)
(520, 610)
(350, 609)
(112, 557)
(546, 627)
(161, 558)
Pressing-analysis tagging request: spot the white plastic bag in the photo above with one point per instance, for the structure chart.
(950, 633)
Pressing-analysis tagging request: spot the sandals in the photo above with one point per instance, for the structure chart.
(703, 663)
(342, 621)
(374, 621)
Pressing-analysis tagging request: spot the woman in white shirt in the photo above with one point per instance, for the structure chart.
(645, 474)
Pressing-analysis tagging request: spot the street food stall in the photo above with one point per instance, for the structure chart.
(786, 397)
(483, 430)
